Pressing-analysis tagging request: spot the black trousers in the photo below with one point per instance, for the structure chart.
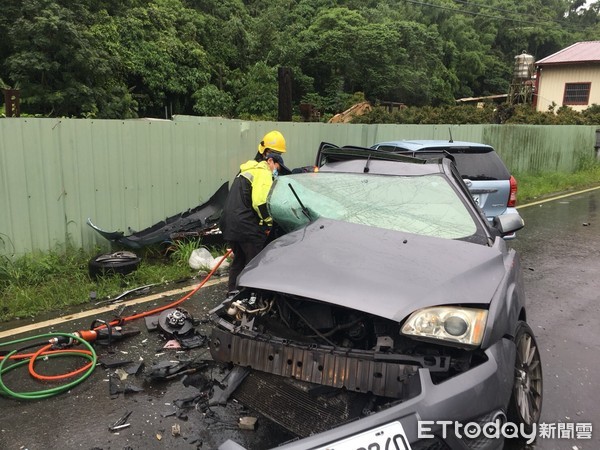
(243, 252)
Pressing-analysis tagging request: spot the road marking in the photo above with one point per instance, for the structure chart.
(557, 197)
(104, 309)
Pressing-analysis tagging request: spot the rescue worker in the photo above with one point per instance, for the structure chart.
(245, 221)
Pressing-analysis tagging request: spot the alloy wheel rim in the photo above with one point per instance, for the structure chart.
(528, 380)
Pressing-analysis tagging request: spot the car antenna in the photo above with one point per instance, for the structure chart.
(450, 132)
(304, 208)
(366, 169)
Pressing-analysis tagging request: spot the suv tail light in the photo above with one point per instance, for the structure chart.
(512, 198)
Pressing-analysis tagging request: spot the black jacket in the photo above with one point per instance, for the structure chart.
(239, 222)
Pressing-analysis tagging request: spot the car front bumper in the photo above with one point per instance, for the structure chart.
(479, 395)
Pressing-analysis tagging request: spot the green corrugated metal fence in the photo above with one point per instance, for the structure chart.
(128, 175)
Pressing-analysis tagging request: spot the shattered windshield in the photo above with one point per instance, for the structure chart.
(425, 205)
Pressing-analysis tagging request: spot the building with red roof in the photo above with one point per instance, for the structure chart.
(569, 77)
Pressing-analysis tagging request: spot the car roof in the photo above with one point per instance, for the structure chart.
(420, 144)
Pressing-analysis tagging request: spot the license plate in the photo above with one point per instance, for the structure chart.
(390, 436)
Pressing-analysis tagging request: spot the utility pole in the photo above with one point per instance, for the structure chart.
(284, 113)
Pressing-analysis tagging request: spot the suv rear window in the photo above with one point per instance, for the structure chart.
(474, 163)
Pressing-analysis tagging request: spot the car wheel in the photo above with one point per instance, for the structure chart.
(121, 263)
(525, 405)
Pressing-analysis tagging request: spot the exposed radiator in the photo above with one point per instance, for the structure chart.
(296, 406)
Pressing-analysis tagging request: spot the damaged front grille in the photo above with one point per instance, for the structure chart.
(356, 371)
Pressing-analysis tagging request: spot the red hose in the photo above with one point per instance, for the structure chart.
(43, 351)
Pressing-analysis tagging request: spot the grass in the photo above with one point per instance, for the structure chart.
(53, 281)
(45, 282)
(534, 187)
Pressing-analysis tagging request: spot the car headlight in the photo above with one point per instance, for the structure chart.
(460, 325)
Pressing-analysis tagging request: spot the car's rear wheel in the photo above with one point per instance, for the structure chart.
(525, 405)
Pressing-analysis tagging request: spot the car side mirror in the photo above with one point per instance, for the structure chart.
(508, 223)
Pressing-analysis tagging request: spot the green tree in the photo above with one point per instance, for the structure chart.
(256, 92)
(61, 64)
(212, 101)
(164, 63)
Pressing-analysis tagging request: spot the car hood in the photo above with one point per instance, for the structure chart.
(374, 270)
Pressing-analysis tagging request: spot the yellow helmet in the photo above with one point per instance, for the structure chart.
(273, 140)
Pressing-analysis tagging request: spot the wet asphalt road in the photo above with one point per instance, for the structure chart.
(559, 251)
(560, 254)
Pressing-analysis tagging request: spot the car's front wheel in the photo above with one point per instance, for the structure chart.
(525, 405)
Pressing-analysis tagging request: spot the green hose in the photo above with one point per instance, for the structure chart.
(45, 393)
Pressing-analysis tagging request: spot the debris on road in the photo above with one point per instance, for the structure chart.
(230, 383)
(167, 370)
(247, 423)
(121, 422)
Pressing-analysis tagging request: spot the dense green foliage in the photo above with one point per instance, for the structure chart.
(106, 59)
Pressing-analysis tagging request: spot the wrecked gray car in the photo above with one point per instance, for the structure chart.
(387, 314)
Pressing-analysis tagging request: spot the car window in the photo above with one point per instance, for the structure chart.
(480, 165)
(426, 205)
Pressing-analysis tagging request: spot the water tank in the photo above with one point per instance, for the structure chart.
(524, 66)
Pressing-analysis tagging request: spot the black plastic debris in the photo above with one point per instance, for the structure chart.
(230, 383)
(151, 322)
(196, 221)
(116, 387)
(193, 340)
(168, 370)
(135, 369)
(191, 402)
(113, 363)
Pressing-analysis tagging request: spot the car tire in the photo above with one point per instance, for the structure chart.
(525, 406)
(116, 263)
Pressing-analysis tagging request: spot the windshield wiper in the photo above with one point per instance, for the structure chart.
(304, 208)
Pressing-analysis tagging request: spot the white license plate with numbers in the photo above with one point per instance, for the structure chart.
(390, 436)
